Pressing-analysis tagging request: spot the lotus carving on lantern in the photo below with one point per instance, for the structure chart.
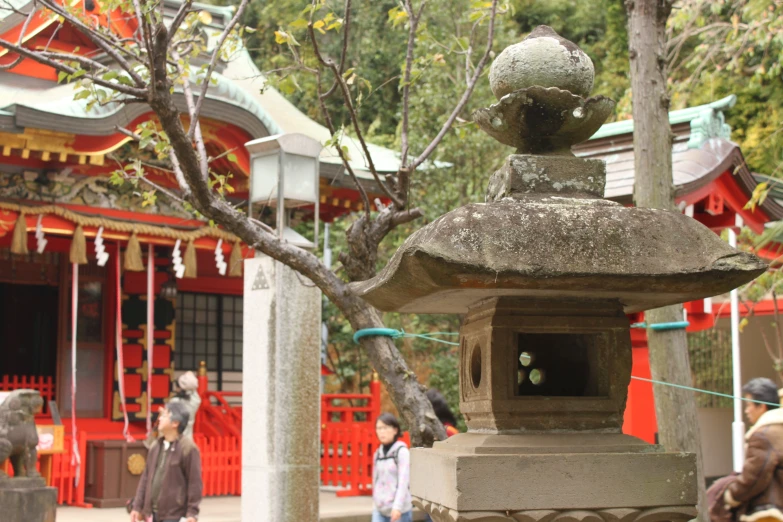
(542, 83)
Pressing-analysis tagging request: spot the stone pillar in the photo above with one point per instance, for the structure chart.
(281, 400)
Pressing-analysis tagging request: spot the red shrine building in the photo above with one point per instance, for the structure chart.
(65, 226)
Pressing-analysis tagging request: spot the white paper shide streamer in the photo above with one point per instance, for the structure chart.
(101, 255)
(39, 235)
(176, 257)
(220, 261)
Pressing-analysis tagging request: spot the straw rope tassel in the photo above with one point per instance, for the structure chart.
(133, 260)
(122, 227)
(235, 263)
(78, 247)
(191, 265)
(19, 239)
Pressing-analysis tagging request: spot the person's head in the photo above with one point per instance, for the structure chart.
(759, 389)
(188, 382)
(173, 419)
(387, 428)
(441, 407)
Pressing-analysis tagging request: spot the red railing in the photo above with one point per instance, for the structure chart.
(221, 465)
(216, 416)
(44, 385)
(348, 440)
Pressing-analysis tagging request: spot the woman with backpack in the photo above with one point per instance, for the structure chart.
(391, 474)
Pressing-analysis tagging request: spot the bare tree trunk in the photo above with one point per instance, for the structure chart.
(678, 426)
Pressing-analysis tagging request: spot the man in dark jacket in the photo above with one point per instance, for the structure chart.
(757, 492)
(170, 486)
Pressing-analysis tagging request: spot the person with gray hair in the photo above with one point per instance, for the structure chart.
(756, 493)
(170, 487)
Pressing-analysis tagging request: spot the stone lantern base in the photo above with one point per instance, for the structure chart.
(551, 477)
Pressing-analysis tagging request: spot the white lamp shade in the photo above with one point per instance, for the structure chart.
(299, 182)
(300, 169)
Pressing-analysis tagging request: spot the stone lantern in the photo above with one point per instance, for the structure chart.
(545, 271)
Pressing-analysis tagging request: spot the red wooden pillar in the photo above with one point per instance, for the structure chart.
(375, 400)
(639, 419)
(640, 409)
(203, 386)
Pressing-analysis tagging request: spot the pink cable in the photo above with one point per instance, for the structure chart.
(76, 459)
(120, 360)
(150, 330)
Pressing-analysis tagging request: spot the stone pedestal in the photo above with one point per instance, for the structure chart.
(548, 477)
(281, 401)
(28, 500)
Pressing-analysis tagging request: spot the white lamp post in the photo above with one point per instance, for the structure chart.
(284, 167)
(280, 457)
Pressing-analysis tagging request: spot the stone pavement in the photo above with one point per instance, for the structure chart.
(226, 509)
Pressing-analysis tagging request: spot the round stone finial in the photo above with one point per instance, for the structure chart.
(545, 59)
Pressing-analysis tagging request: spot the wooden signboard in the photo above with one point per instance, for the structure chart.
(50, 439)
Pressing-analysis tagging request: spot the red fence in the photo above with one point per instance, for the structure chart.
(221, 464)
(346, 458)
(348, 440)
(216, 416)
(45, 385)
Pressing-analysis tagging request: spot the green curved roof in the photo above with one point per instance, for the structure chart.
(680, 116)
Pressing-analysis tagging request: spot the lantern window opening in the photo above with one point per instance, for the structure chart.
(557, 365)
(475, 366)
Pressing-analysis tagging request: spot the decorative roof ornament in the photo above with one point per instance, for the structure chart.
(541, 83)
(710, 123)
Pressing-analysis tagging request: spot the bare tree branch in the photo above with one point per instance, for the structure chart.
(344, 52)
(413, 25)
(354, 119)
(39, 56)
(332, 130)
(182, 13)
(195, 125)
(138, 12)
(106, 44)
(81, 60)
(213, 62)
(19, 42)
(54, 34)
(183, 184)
(363, 237)
(465, 96)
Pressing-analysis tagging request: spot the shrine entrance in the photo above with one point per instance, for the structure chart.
(28, 328)
(30, 321)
